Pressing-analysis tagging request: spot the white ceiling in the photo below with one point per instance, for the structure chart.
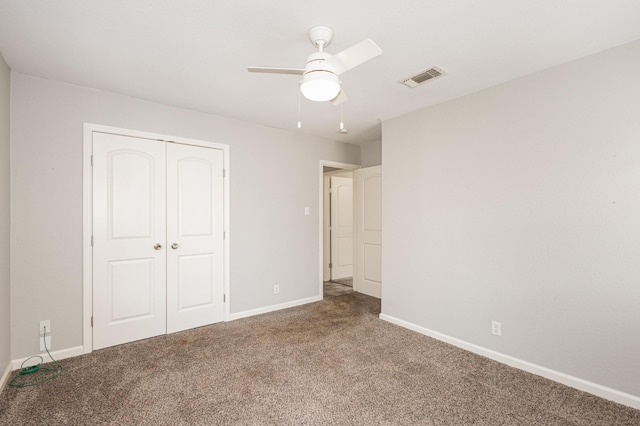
(194, 53)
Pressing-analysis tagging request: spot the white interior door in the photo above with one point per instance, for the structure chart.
(341, 227)
(368, 206)
(194, 236)
(129, 253)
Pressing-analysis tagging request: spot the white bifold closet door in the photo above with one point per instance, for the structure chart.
(158, 241)
(194, 237)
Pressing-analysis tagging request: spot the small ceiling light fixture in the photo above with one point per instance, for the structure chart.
(320, 85)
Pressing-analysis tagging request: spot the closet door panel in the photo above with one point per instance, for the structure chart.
(129, 257)
(194, 236)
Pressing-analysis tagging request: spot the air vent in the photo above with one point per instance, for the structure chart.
(423, 76)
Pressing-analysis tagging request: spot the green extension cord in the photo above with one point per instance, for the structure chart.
(28, 376)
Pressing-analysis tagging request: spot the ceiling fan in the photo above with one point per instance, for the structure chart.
(320, 75)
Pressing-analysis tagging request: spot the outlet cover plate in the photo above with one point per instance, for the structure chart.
(496, 328)
(43, 324)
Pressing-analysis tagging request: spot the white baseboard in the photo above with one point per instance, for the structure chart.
(252, 312)
(574, 382)
(79, 350)
(57, 355)
(5, 377)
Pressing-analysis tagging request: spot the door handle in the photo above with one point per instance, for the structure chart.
(174, 246)
(158, 246)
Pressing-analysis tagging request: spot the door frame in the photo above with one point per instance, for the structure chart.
(87, 216)
(322, 165)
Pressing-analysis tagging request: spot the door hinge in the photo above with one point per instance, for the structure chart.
(92, 241)
(331, 265)
(91, 320)
(224, 235)
(224, 298)
(92, 161)
(224, 173)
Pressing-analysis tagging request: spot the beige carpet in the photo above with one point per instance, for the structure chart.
(335, 289)
(328, 363)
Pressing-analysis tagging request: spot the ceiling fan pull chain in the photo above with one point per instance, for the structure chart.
(299, 122)
(341, 112)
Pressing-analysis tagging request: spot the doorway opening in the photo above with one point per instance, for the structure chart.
(336, 228)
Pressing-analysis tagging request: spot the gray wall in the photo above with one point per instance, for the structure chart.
(521, 204)
(5, 217)
(371, 153)
(274, 175)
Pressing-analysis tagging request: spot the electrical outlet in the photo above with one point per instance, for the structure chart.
(496, 328)
(43, 324)
(276, 289)
(42, 342)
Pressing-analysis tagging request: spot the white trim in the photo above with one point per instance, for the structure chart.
(5, 377)
(87, 229)
(87, 215)
(566, 379)
(326, 216)
(322, 164)
(227, 231)
(57, 355)
(266, 309)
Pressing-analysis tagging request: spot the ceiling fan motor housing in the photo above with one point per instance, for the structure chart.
(316, 61)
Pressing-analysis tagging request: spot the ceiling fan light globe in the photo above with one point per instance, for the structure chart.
(320, 86)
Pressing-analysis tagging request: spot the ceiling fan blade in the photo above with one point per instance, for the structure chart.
(340, 99)
(270, 70)
(353, 56)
